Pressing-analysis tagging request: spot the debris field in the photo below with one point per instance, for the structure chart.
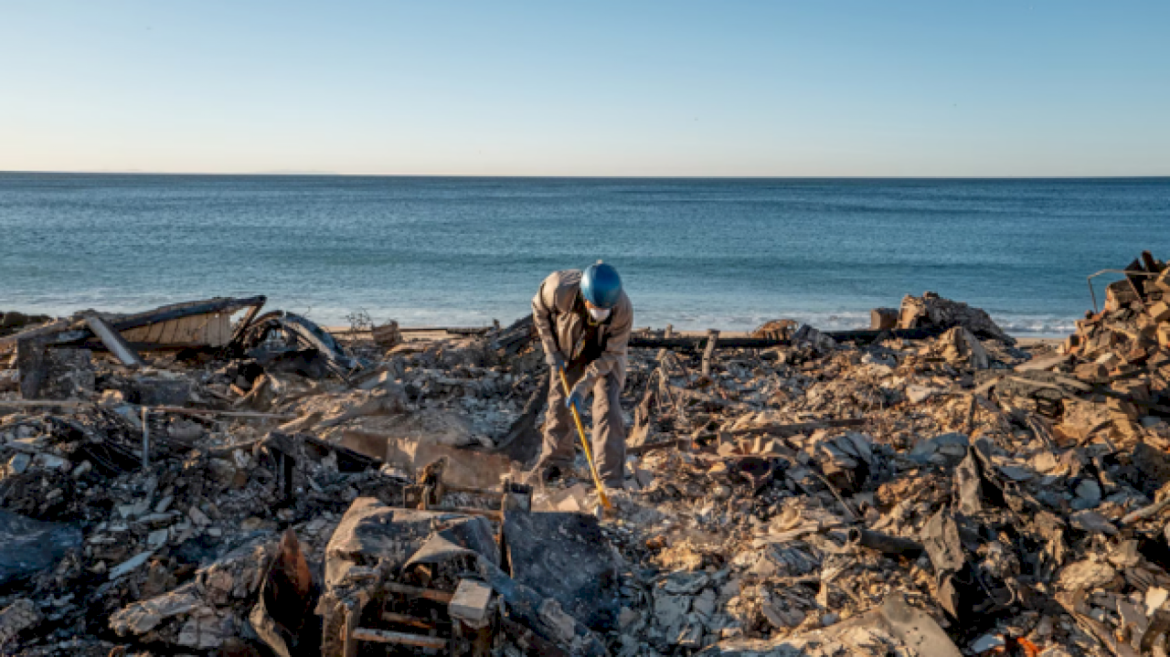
(209, 479)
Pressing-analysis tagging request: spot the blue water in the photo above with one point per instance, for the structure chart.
(696, 253)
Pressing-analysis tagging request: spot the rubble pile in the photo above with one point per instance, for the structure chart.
(175, 482)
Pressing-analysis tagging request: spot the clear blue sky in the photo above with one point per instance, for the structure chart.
(767, 88)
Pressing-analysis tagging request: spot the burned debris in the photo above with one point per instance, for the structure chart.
(206, 479)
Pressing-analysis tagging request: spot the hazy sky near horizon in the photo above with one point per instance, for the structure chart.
(679, 88)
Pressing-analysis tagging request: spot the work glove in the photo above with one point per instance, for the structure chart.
(577, 395)
(555, 361)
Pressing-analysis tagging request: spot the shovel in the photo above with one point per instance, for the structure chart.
(585, 444)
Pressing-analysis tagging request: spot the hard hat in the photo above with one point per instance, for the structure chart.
(601, 285)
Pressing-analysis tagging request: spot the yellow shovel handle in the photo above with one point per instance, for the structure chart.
(585, 443)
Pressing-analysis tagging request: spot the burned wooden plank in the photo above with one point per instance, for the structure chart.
(399, 638)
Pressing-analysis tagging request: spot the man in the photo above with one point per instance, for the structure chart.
(584, 321)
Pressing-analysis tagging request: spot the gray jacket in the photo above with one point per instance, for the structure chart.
(556, 313)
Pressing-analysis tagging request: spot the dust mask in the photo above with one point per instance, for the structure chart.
(599, 314)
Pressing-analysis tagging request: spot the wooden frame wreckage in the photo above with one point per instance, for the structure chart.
(193, 325)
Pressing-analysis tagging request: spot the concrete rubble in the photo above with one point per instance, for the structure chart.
(189, 482)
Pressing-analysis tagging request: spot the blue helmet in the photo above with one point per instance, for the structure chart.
(601, 285)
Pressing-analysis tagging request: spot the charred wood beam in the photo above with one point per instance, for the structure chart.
(709, 351)
(246, 322)
(884, 543)
(698, 343)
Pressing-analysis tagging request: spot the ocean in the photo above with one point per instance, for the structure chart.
(695, 253)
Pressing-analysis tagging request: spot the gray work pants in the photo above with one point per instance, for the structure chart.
(609, 431)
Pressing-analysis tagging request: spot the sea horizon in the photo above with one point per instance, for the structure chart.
(697, 253)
